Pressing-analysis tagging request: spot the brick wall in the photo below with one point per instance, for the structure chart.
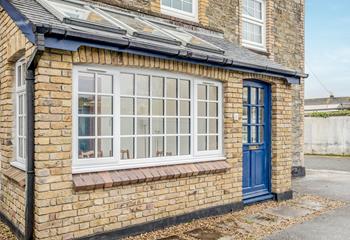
(62, 213)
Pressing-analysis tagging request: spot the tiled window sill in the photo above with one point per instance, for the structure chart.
(16, 175)
(90, 181)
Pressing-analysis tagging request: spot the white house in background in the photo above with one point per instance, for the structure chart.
(327, 104)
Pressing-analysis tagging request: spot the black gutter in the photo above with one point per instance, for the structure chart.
(30, 183)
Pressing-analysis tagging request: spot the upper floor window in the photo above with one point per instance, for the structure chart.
(20, 116)
(126, 118)
(185, 9)
(254, 22)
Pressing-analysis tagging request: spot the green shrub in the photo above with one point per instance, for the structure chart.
(330, 114)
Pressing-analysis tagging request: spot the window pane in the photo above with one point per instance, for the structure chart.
(171, 146)
(157, 86)
(127, 106)
(245, 95)
(202, 109)
(20, 147)
(253, 115)
(261, 96)
(166, 3)
(184, 125)
(202, 126)
(253, 134)
(105, 83)
(213, 143)
(202, 92)
(213, 93)
(126, 126)
(126, 84)
(142, 85)
(142, 147)
(86, 148)
(184, 88)
(184, 108)
(86, 82)
(157, 107)
(142, 106)
(19, 75)
(86, 104)
(105, 147)
(245, 134)
(261, 115)
(202, 143)
(185, 145)
(20, 104)
(261, 136)
(142, 126)
(105, 105)
(187, 7)
(105, 126)
(213, 126)
(177, 4)
(171, 126)
(127, 148)
(171, 87)
(245, 115)
(171, 107)
(213, 109)
(86, 126)
(253, 93)
(20, 126)
(157, 146)
(157, 125)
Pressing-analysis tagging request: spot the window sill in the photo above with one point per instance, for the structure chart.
(90, 181)
(17, 175)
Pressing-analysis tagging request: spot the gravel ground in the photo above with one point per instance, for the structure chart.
(248, 224)
(5, 233)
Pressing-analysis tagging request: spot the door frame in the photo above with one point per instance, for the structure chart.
(267, 138)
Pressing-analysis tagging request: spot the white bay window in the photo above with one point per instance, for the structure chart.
(185, 9)
(126, 118)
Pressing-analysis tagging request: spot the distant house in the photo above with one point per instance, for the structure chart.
(118, 117)
(326, 104)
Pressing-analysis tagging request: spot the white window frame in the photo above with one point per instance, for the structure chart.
(181, 14)
(18, 161)
(115, 163)
(255, 21)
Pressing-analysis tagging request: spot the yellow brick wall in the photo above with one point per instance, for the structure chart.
(62, 213)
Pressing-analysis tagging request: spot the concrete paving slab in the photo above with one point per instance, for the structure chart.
(205, 234)
(327, 163)
(288, 212)
(313, 205)
(264, 219)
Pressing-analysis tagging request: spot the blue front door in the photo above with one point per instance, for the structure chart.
(256, 141)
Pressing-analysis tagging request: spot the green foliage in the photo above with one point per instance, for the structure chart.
(330, 114)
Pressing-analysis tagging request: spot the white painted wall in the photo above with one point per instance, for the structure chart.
(327, 135)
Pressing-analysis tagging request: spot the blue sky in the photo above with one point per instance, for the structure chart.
(327, 40)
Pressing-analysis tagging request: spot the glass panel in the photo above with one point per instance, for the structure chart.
(86, 82)
(184, 125)
(86, 148)
(213, 126)
(177, 4)
(171, 146)
(20, 147)
(202, 92)
(105, 126)
(202, 109)
(171, 125)
(171, 107)
(157, 146)
(253, 134)
(126, 106)
(184, 108)
(86, 104)
(19, 75)
(261, 134)
(245, 95)
(25, 148)
(104, 105)
(261, 96)
(253, 119)
(261, 115)
(187, 7)
(245, 134)
(142, 126)
(185, 145)
(127, 148)
(184, 88)
(105, 84)
(86, 126)
(213, 109)
(245, 115)
(157, 86)
(105, 147)
(213, 93)
(157, 125)
(253, 93)
(166, 3)
(126, 84)
(126, 126)
(142, 106)
(202, 143)
(157, 107)
(142, 85)
(142, 147)
(20, 126)
(171, 87)
(20, 103)
(213, 143)
(202, 126)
